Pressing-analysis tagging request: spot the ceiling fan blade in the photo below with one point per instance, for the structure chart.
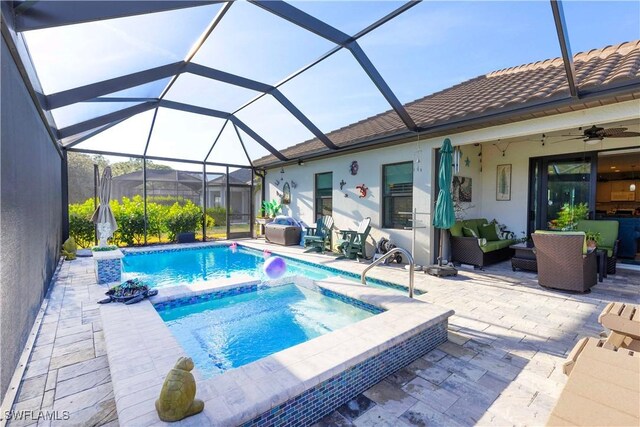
(568, 139)
(622, 135)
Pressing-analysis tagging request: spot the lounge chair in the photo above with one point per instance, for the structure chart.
(608, 238)
(624, 322)
(564, 262)
(353, 243)
(602, 389)
(318, 238)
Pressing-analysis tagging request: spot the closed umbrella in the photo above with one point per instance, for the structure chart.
(103, 216)
(444, 216)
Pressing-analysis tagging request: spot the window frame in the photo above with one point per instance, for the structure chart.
(316, 198)
(387, 223)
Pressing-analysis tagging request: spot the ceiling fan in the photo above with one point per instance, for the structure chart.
(595, 134)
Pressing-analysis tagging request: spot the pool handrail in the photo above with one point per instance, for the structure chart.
(383, 258)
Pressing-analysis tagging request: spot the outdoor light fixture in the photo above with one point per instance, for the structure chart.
(300, 162)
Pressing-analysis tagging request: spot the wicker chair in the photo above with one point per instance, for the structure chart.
(563, 262)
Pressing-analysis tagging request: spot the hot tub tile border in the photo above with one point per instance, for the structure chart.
(339, 389)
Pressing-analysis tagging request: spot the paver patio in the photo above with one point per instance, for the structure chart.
(501, 366)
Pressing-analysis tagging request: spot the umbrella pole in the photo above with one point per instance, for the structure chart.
(440, 249)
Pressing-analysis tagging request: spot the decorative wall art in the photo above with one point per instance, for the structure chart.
(354, 168)
(363, 190)
(342, 184)
(286, 194)
(277, 183)
(503, 182)
(293, 184)
(462, 189)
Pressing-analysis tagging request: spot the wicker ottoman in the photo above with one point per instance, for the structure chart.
(285, 235)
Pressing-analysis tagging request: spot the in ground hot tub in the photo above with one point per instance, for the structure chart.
(221, 331)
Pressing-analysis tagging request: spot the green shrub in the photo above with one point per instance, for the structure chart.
(130, 218)
(182, 219)
(218, 214)
(80, 226)
(155, 219)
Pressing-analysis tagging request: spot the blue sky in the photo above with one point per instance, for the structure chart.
(429, 48)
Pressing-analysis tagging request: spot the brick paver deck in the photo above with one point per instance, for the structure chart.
(501, 366)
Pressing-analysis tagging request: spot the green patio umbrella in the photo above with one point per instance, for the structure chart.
(444, 216)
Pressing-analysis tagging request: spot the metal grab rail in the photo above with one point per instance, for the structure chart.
(384, 257)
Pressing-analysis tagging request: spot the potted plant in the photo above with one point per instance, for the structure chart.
(569, 216)
(268, 211)
(593, 239)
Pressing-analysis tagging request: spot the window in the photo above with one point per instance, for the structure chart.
(324, 194)
(397, 194)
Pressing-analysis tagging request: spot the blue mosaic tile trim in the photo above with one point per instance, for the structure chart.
(310, 406)
(205, 297)
(351, 301)
(109, 270)
(188, 248)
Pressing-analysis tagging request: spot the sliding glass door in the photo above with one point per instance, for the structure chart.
(557, 182)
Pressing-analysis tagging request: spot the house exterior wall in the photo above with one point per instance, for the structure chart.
(513, 213)
(30, 215)
(348, 211)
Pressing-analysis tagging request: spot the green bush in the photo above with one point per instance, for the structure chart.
(167, 200)
(155, 219)
(218, 214)
(182, 219)
(80, 226)
(130, 218)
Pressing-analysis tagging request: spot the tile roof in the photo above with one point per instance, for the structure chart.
(499, 90)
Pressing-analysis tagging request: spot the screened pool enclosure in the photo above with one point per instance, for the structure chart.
(189, 101)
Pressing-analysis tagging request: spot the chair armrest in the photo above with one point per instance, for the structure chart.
(311, 231)
(614, 251)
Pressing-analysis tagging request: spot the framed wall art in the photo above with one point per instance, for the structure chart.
(503, 182)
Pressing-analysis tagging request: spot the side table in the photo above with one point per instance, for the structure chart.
(524, 257)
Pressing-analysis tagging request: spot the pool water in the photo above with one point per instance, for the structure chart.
(197, 266)
(220, 334)
(171, 268)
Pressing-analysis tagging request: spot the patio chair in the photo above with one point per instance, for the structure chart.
(608, 238)
(624, 322)
(602, 388)
(318, 238)
(353, 243)
(564, 262)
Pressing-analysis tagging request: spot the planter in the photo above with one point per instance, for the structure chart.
(189, 237)
(108, 266)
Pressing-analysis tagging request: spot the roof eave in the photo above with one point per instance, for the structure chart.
(590, 94)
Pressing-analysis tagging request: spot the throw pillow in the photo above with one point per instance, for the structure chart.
(488, 231)
(469, 232)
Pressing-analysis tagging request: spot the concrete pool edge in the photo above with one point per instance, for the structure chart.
(141, 350)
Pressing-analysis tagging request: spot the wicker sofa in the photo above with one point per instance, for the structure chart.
(474, 250)
(564, 262)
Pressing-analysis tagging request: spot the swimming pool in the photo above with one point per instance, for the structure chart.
(193, 266)
(224, 333)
